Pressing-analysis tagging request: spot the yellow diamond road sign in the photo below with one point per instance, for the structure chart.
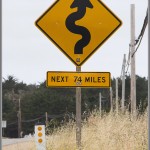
(78, 27)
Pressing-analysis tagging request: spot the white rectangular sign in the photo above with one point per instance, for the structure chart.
(3, 124)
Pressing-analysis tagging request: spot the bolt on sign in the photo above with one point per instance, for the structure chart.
(78, 79)
(40, 139)
(78, 28)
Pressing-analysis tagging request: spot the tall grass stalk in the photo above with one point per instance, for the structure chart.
(110, 132)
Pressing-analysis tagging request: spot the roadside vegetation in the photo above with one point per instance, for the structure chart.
(111, 131)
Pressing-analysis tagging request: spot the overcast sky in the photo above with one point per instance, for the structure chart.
(28, 54)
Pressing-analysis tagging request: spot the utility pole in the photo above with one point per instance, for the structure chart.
(117, 95)
(123, 83)
(78, 113)
(111, 101)
(19, 120)
(46, 119)
(1, 75)
(100, 104)
(149, 73)
(132, 46)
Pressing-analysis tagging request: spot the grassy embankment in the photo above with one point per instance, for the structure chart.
(110, 132)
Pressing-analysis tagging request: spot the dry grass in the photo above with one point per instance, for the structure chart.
(113, 132)
(30, 145)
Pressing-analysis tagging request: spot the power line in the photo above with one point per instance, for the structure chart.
(143, 28)
(43, 116)
(56, 116)
(140, 37)
(137, 41)
(49, 116)
(128, 61)
(12, 123)
(32, 120)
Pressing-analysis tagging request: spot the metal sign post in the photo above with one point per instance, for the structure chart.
(78, 113)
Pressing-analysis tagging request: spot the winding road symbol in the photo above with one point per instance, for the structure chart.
(78, 27)
(72, 27)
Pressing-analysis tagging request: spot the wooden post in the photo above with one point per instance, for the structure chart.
(46, 119)
(123, 83)
(111, 101)
(78, 113)
(100, 104)
(132, 45)
(19, 120)
(117, 95)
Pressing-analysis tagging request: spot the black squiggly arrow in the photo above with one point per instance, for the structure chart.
(72, 27)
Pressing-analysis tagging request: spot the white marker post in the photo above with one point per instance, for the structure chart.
(40, 139)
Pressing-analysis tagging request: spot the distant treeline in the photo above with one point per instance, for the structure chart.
(59, 103)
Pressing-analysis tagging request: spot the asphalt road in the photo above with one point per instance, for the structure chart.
(8, 141)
